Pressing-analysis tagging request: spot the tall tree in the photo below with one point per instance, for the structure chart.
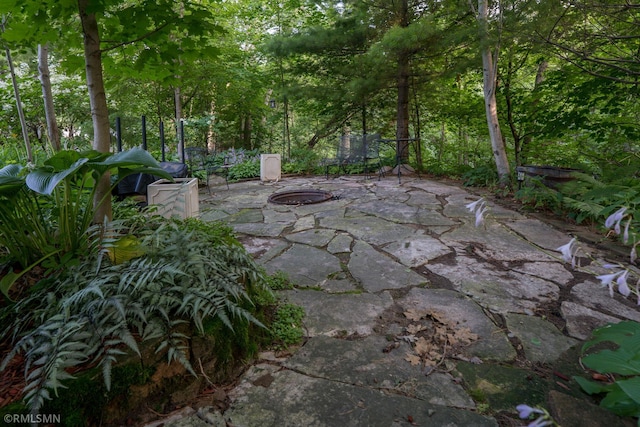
(98, 101)
(490, 82)
(16, 91)
(53, 131)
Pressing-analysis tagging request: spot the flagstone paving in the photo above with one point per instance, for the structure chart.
(413, 315)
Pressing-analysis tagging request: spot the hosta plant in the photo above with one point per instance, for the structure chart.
(47, 211)
(619, 364)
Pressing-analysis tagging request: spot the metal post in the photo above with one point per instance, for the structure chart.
(182, 140)
(144, 133)
(162, 140)
(119, 134)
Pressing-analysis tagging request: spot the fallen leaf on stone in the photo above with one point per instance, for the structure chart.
(413, 314)
(465, 336)
(415, 328)
(440, 317)
(413, 359)
(423, 347)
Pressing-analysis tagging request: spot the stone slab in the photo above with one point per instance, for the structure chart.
(494, 242)
(316, 237)
(260, 229)
(500, 290)
(581, 320)
(341, 243)
(417, 250)
(540, 339)
(370, 229)
(596, 297)
(378, 272)
(305, 265)
(339, 314)
(292, 399)
(364, 363)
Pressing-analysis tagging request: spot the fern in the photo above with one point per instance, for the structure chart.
(89, 316)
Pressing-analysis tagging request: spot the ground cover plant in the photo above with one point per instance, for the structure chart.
(140, 287)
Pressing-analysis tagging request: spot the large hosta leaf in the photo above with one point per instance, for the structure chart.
(131, 161)
(43, 180)
(10, 182)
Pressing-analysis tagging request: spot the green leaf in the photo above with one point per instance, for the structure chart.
(631, 387)
(592, 387)
(613, 362)
(9, 185)
(617, 333)
(619, 402)
(132, 161)
(44, 181)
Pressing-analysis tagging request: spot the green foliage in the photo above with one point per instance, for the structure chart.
(91, 313)
(46, 212)
(622, 396)
(245, 170)
(82, 404)
(534, 195)
(286, 328)
(595, 200)
(303, 161)
(279, 281)
(480, 176)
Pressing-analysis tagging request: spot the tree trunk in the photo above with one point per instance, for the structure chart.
(489, 74)
(247, 127)
(16, 92)
(49, 110)
(98, 101)
(402, 115)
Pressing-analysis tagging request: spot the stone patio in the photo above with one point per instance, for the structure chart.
(384, 270)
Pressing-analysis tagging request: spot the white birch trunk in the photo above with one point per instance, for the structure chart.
(49, 110)
(489, 74)
(16, 92)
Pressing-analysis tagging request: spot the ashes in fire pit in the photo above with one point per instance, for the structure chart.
(300, 197)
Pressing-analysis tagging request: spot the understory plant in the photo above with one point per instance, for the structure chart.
(46, 212)
(98, 311)
(620, 365)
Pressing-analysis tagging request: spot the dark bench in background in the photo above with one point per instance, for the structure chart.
(355, 149)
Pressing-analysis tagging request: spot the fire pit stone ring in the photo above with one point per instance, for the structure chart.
(300, 197)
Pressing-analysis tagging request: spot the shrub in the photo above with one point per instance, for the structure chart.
(481, 176)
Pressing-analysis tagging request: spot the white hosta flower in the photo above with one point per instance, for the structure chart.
(479, 208)
(475, 205)
(625, 236)
(569, 251)
(607, 279)
(623, 287)
(614, 219)
(480, 215)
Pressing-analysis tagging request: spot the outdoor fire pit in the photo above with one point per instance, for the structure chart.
(300, 197)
